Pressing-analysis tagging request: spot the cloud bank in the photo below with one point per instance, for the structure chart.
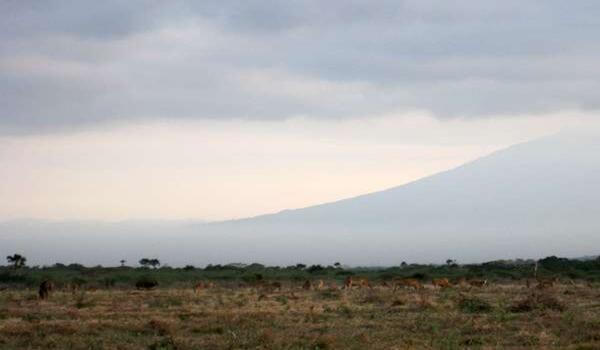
(72, 64)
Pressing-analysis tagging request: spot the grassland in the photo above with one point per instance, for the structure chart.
(501, 315)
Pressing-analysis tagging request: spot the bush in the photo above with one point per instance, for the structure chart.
(344, 273)
(146, 282)
(7, 277)
(315, 268)
(419, 276)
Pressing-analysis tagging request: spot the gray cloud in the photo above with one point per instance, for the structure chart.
(70, 64)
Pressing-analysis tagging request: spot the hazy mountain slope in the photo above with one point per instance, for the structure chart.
(533, 199)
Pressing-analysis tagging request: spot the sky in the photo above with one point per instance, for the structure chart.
(214, 110)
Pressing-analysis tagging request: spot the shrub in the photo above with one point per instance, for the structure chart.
(315, 268)
(419, 276)
(8, 277)
(146, 282)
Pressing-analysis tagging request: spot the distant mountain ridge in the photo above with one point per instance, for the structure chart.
(534, 199)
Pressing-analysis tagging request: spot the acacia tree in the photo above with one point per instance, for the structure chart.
(154, 263)
(16, 260)
(145, 262)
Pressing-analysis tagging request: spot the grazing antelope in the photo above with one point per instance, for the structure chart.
(320, 285)
(333, 285)
(203, 285)
(441, 282)
(45, 288)
(546, 283)
(478, 283)
(72, 287)
(407, 283)
(307, 285)
(349, 282)
(462, 282)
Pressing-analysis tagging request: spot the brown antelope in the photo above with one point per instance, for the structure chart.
(203, 285)
(307, 285)
(349, 282)
(441, 282)
(461, 282)
(407, 283)
(320, 285)
(72, 287)
(45, 288)
(478, 283)
(546, 283)
(333, 285)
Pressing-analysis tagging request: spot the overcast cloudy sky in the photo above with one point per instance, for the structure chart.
(217, 109)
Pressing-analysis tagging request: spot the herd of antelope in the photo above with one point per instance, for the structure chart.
(349, 283)
(411, 283)
(362, 283)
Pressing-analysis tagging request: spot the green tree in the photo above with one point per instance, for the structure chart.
(154, 263)
(145, 262)
(16, 260)
(315, 268)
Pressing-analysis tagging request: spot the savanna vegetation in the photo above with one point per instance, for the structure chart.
(260, 307)
(18, 275)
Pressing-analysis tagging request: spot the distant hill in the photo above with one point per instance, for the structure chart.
(531, 200)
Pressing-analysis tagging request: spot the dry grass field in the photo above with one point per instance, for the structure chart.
(495, 316)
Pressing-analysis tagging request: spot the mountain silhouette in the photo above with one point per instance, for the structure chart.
(530, 200)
